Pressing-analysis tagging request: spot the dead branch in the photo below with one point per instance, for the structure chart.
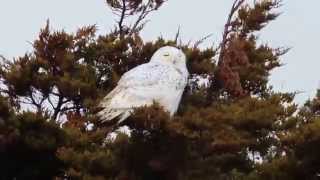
(123, 14)
(197, 43)
(177, 35)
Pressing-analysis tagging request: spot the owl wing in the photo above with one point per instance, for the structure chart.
(144, 75)
(136, 88)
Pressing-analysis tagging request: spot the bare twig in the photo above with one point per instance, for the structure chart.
(50, 102)
(57, 109)
(68, 108)
(123, 14)
(34, 102)
(197, 43)
(177, 35)
(57, 106)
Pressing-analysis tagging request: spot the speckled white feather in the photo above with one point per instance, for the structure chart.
(162, 80)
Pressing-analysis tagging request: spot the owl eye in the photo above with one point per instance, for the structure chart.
(166, 54)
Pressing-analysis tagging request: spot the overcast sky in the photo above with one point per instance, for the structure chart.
(298, 27)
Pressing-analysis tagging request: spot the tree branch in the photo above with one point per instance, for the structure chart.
(235, 6)
(57, 109)
(68, 108)
(123, 14)
(142, 16)
(197, 43)
(177, 36)
(34, 102)
(216, 83)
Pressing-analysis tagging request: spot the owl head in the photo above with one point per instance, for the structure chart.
(170, 55)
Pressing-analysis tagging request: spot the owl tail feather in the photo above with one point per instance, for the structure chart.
(111, 114)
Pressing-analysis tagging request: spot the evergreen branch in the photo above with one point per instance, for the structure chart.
(235, 6)
(222, 47)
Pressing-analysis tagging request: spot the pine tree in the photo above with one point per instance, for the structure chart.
(49, 98)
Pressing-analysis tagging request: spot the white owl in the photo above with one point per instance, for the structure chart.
(162, 80)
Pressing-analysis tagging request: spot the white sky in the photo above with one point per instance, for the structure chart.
(298, 27)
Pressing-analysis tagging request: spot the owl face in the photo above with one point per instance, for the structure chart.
(171, 55)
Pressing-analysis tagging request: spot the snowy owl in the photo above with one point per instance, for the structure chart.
(161, 80)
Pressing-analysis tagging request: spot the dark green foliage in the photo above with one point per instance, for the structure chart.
(218, 132)
(28, 145)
